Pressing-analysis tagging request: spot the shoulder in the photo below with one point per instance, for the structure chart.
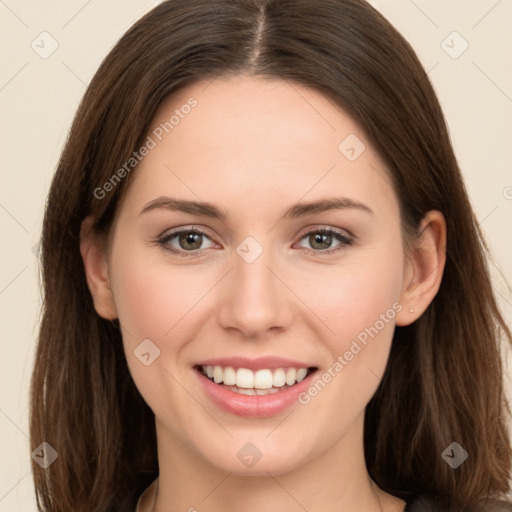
(429, 504)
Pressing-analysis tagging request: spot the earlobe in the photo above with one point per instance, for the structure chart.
(94, 257)
(425, 267)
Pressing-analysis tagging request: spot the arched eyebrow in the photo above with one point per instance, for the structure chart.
(295, 211)
(323, 205)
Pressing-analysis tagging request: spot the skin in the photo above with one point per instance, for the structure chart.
(254, 147)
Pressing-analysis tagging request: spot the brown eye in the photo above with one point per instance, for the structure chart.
(190, 240)
(185, 241)
(321, 240)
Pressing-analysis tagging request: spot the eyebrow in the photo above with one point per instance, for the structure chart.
(295, 211)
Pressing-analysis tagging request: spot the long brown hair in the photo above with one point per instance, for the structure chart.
(444, 379)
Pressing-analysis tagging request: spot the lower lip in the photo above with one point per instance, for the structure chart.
(253, 406)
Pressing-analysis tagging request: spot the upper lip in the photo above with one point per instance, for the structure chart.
(259, 363)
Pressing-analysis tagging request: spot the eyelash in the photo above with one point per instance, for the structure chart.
(346, 241)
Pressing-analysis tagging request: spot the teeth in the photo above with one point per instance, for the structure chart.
(263, 379)
(279, 378)
(229, 377)
(243, 391)
(260, 382)
(291, 375)
(244, 378)
(217, 374)
(301, 374)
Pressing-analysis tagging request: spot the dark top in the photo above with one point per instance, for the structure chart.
(419, 504)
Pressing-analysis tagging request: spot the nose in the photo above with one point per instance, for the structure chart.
(255, 299)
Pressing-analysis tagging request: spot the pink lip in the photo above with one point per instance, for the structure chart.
(260, 363)
(253, 406)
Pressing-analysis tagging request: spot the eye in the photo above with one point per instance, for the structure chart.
(189, 242)
(184, 241)
(321, 241)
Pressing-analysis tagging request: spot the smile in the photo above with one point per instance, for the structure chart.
(261, 382)
(254, 388)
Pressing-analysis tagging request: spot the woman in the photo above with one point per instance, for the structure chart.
(265, 287)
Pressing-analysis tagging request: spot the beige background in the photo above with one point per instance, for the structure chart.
(38, 98)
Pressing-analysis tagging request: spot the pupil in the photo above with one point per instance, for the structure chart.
(190, 238)
(319, 237)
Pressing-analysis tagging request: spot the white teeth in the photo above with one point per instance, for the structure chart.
(301, 374)
(244, 378)
(229, 376)
(291, 375)
(217, 374)
(260, 382)
(263, 379)
(279, 378)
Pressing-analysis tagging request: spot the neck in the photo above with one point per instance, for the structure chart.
(336, 480)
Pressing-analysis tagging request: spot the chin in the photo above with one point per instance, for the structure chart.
(257, 457)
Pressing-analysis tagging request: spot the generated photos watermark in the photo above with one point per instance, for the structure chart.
(152, 141)
(355, 348)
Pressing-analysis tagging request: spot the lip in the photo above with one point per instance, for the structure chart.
(252, 406)
(260, 363)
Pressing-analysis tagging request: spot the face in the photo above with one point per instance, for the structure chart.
(257, 283)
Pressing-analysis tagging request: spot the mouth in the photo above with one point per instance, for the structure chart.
(264, 381)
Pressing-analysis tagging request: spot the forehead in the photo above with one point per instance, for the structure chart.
(256, 117)
(256, 139)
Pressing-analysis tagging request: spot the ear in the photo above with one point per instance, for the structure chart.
(424, 268)
(94, 256)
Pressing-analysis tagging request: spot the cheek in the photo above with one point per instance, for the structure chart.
(152, 298)
(153, 303)
(352, 296)
(358, 303)
(367, 295)
(364, 322)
